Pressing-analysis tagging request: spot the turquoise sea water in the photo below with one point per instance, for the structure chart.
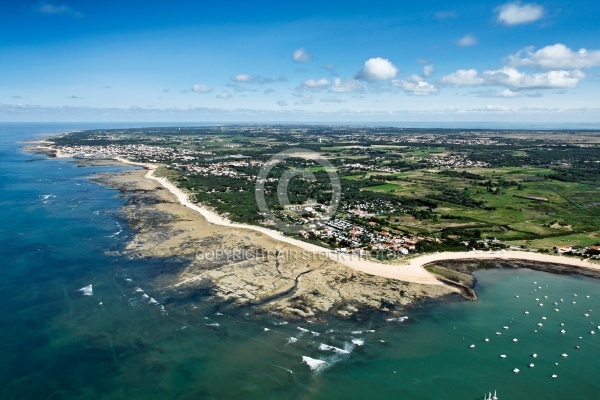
(132, 340)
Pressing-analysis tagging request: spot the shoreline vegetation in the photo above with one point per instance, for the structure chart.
(405, 281)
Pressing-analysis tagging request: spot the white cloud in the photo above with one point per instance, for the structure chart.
(462, 77)
(244, 78)
(428, 70)
(202, 88)
(377, 69)
(224, 95)
(557, 56)
(56, 9)
(515, 13)
(467, 40)
(340, 86)
(301, 55)
(512, 78)
(415, 85)
(316, 84)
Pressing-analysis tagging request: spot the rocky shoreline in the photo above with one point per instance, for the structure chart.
(243, 268)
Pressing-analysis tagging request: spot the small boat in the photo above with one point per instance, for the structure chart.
(515, 340)
(562, 331)
(564, 355)
(531, 365)
(554, 376)
(502, 355)
(516, 370)
(472, 346)
(534, 355)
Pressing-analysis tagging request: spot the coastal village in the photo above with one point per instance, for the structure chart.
(351, 230)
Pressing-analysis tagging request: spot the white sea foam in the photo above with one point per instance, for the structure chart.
(86, 290)
(218, 313)
(137, 289)
(370, 330)
(314, 364)
(399, 319)
(292, 340)
(356, 332)
(152, 301)
(213, 324)
(145, 296)
(325, 347)
(306, 331)
(358, 342)
(129, 280)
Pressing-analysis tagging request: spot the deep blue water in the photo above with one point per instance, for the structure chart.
(60, 233)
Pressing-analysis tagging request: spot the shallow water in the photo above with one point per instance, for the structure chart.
(124, 338)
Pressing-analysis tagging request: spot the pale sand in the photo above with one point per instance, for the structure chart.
(502, 255)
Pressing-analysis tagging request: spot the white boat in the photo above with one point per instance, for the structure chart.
(489, 396)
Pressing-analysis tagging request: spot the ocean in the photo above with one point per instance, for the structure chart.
(82, 320)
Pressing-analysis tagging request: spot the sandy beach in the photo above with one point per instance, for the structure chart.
(409, 272)
(404, 270)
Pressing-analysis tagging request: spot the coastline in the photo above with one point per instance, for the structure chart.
(413, 273)
(411, 270)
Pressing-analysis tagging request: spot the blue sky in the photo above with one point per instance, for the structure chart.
(313, 61)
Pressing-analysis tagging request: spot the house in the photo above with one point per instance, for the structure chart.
(563, 249)
(593, 250)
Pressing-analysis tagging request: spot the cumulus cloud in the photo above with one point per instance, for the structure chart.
(224, 95)
(316, 84)
(557, 56)
(341, 86)
(377, 69)
(415, 85)
(462, 77)
(467, 40)
(202, 88)
(55, 9)
(515, 13)
(244, 78)
(512, 78)
(301, 55)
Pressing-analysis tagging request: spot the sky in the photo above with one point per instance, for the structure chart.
(310, 61)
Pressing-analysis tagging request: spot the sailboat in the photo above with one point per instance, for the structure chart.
(490, 397)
